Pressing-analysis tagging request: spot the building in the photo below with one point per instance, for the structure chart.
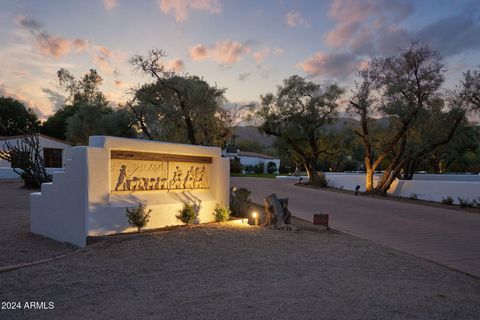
(53, 153)
(252, 158)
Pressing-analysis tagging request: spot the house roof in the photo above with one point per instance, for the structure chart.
(39, 134)
(255, 154)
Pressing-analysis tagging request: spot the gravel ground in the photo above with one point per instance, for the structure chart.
(218, 271)
(17, 244)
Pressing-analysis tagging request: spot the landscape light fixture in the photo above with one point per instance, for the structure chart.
(255, 216)
(357, 188)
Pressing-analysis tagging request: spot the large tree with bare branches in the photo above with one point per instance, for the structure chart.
(407, 88)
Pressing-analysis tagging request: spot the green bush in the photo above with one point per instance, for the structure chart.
(271, 167)
(319, 181)
(221, 213)
(138, 216)
(235, 165)
(448, 200)
(240, 202)
(187, 214)
(258, 168)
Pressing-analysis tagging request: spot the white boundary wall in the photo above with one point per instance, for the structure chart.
(78, 203)
(433, 188)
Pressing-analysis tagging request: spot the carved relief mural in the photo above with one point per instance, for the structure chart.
(136, 171)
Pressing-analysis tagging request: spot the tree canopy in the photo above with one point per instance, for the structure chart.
(15, 118)
(178, 108)
(297, 114)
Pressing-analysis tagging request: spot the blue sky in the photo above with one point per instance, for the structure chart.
(249, 47)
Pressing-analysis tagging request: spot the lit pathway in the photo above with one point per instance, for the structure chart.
(448, 237)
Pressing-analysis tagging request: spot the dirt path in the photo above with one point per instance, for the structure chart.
(449, 237)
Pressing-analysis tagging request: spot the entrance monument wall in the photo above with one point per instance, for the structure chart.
(100, 181)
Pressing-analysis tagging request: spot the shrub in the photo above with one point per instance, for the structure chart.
(138, 216)
(320, 181)
(235, 165)
(240, 202)
(466, 203)
(187, 214)
(221, 213)
(448, 200)
(258, 168)
(271, 167)
(249, 169)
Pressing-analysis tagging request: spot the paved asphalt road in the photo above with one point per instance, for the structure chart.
(448, 237)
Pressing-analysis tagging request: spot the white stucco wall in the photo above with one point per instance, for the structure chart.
(44, 142)
(433, 188)
(253, 161)
(97, 211)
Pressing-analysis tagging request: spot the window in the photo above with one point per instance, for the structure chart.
(52, 157)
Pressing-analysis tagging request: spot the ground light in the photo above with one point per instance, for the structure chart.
(255, 216)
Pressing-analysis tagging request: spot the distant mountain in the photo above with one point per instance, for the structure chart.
(252, 133)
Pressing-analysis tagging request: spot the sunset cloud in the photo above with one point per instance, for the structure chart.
(225, 52)
(338, 66)
(180, 8)
(50, 45)
(176, 65)
(295, 19)
(198, 52)
(110, 4)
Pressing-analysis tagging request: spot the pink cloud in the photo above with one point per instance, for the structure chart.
(337, 66)
(176, 65)
(110, 4)
(199, 52)
(361, 19)
(224, 52)
(80, 44)
(52, 45)
(180, 8)
(294, 19)
(261, 54)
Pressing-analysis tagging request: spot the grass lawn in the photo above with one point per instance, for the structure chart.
(254, 175)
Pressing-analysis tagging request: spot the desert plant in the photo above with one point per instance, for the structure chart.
(27, 161)
(221, 213)
(448, 200)
(138, 216)
(466, 202)
(240, 202)
(187, 214)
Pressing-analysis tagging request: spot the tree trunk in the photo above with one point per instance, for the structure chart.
(369, 180)
(277, 214)
(313, 177)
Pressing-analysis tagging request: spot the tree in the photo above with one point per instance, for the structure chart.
(89, 112)
(296, 115)
(407, 88)
(56, 124)
(178, 108)
(15, 118)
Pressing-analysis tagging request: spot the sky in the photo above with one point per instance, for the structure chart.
(248, 47)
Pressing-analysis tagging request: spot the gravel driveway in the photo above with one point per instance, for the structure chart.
(222, 271)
